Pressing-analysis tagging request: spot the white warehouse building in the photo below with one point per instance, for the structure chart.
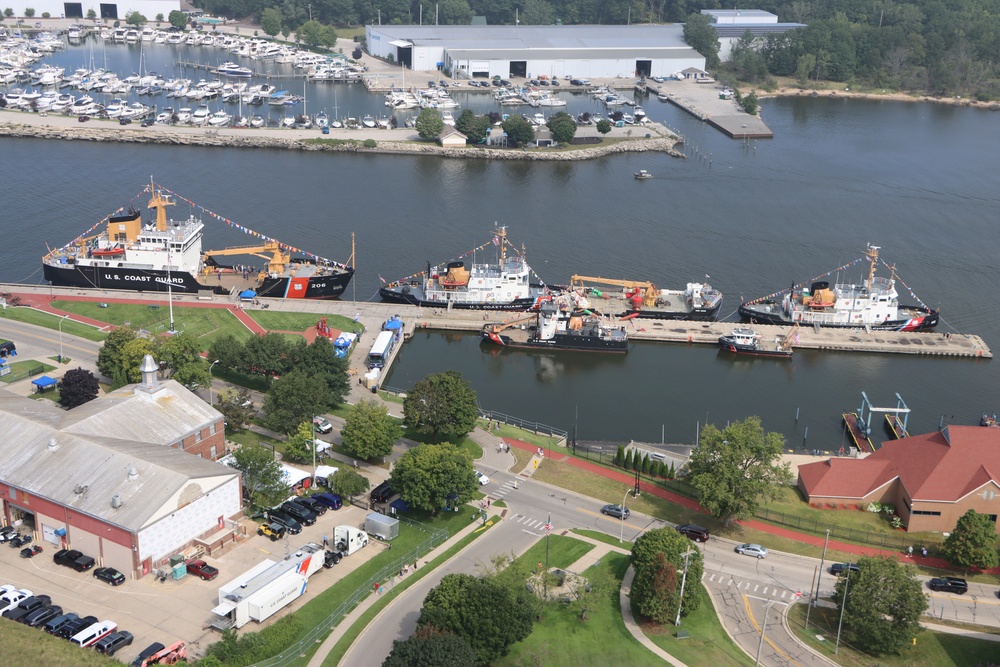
(554, 51)
(105, 10)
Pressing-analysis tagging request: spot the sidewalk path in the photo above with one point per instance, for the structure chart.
(633, 627)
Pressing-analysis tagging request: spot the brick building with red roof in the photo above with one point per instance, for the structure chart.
(931, 479)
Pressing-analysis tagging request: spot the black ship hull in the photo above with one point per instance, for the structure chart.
(392, 296)
(923, 319)
(563, 342)
(730, 345)
(694, 315)
(141, 280)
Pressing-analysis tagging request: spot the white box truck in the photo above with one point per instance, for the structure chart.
(259, 593)
(348, 539)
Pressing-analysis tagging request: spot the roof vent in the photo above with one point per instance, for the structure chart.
(133, 474)
(149, 369)
(116, 500)
(53, 445)
(80, 488)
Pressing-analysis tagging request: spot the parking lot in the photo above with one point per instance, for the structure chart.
(169, 611)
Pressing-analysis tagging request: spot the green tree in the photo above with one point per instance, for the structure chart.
(110, 353)
(264, 355)
(91, 14)
(263, 477)
(428, 477)
(136, 19)
(129, 360)
(735, 470)
(236, 408)
(538, 12)
(656, 590)
(673, 546)
(177, 19)
(181, 355)
(804, 68)
(309, 33)
(328, 36)
(347, 483)
(884, 604)
(293, 399)
(369, 432)
(519, 131)
(751, 103)
(298, 447)
(442, 405)
(563, 127)
(29, 12)
(490, 616)
(228, 351)
(620, 456)
(464, 121)
(973, 542)
(270, 21)
(431, 649)
(603, 126)
(701, 35)
(77, 387)
(317, 361)
(454, 12)
(429, 124)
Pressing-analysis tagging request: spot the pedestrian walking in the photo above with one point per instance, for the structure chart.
(378, 588)
(923, 551)
(487, 503)
(909, 551)
(325, 542)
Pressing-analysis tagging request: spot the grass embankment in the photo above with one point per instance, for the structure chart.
(933, 649)
(707, 643)
(42, 319)
(30, 646)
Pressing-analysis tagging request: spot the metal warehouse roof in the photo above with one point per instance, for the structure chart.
(85, 471)
(756, 29)
(560, 54)
(537, 36)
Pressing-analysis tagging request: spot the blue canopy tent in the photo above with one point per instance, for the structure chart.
(44, 382)
(248, 295)
(393, 324)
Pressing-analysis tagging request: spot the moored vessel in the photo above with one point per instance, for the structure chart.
(743, 340)
(163, 254)
(555, 329)
(503, 282)
(697, 301)
(873, 304)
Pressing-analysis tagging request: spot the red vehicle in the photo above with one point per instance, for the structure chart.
(200, 568)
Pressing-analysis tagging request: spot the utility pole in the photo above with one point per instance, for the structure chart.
(763, 628)
(843, 605)
(815, 599)
(680, 600)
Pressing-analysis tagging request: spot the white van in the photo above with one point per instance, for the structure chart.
(94, 633)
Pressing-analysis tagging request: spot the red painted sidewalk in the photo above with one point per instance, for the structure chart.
(756, 525)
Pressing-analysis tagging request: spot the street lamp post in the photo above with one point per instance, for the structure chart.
(621, 536)
(680, 600)
(763, 628)
(843, 605)
(314, 448)
(815, 599)
(61, 320)
(210, 398)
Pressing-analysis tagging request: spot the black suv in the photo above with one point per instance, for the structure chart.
(948, 585)
(314, 506)
(75, 626)
(74, 559)
(842, 568)
(286, 520)
(299, 513)
(382, 493)
(693, 532)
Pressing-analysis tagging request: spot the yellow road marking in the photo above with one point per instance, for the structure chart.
(753, 622)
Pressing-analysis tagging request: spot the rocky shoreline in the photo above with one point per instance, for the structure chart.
(885, 97)
(393, 142)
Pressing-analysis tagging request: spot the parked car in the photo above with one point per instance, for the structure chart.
(299, 513)
(74, 559)
(75, 626)
(148, 121)
(286, 520)
(7, 533)
(116, 640)
(555, 82)
(41, 615)
(11, 599)
(616, 511)
(752, 550)
(322, 425)
(19, 541)
(382, 493)
(55, 624)
(694, 532)
(314, 506)
(481, 478)
(109, 575)
(947, 585)
(842, 568)
(124, 120)
(331, 500)
(27, 605)
(200, 568)
(275, 531)
(146, 653)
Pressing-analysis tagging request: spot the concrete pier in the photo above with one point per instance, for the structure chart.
(372, 314)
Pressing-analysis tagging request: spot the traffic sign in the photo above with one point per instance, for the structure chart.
(798, 594)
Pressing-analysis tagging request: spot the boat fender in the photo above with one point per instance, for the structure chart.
(690, 338)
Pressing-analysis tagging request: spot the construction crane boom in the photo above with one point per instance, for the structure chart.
(649, 291)
(276, 258)
(497, 327)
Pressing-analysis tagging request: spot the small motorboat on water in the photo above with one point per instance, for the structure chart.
(744, 340)
(642, 175)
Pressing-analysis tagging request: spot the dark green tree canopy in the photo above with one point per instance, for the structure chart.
(429, 124)
(136, 19)
(973, 543)
(431, 650)
(442, 406)
(700, 34)
(369, 432)
(656, 591)
(270, 21)
(77, 387)
(236, 407)
(603, 126)
(563, 127)
(519, 131)
(736, 469)
(347, 483)
(428, 477)
(108, 357)
(294, 398)
(884, 604)
(263, 482)
(177, 19)
(673, 545)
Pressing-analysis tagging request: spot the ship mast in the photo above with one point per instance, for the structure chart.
(872, 254)
(502, 235)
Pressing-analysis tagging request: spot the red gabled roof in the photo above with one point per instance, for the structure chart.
(940, 466)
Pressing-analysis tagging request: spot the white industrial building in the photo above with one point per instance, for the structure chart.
(104, 10)
(554, 51)
(732, 24)
(114, 477)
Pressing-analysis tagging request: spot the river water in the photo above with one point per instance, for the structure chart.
(919, 180)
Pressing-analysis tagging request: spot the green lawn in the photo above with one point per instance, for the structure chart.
(22, 369)
(275, 320)
(563, 551)
(933, 649)
(562, 639)
(601, 537)
(28, 646)
(49, 321)
(708, 643)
